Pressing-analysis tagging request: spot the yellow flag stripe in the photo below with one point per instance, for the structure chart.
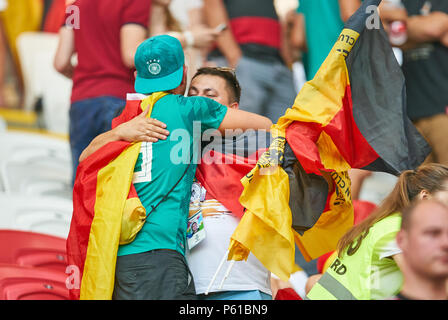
(113, 184)
(265, 228)
(266, 225)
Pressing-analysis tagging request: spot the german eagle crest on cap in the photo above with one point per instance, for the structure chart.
(154, 67)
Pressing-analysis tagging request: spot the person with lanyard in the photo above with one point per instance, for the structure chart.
(249, 280)
(368, 263)
(425, 68)
(153, 265)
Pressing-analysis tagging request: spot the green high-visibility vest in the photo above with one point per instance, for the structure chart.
(352, 277)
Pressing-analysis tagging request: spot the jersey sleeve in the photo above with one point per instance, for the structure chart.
(389, 249)
(386, 245)
(136, 11)
(209, 112)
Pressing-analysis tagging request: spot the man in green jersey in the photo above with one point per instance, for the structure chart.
(153, 266)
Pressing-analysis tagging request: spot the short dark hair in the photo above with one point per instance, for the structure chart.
(408, 211)
(228, 74)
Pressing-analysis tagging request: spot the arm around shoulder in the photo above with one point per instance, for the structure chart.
(140, 128)
(239, 119)
(98, 142)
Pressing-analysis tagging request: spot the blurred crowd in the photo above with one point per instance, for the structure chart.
(272, 47)
(284, 41)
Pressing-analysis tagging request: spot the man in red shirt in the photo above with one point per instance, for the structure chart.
(252, 45)
(105, 40)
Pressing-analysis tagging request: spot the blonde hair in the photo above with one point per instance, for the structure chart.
(429, 177)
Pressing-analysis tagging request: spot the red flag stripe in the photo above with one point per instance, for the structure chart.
(347, 137)
(222, 179)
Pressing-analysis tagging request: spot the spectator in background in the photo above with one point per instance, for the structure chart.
(286, 12)
(54, 17)
(163, 22)
(368, 261)
(105, 42)
(315, 38)
(423, 238)
(316, 30)
(425, 67)
(187, 12)
(252, 45)
(195, 37)
(249, 280)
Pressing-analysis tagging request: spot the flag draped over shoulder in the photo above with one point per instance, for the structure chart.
(103, 190)
(351, 115)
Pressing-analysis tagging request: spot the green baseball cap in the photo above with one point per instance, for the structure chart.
(159, 62)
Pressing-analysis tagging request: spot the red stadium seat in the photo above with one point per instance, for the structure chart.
(322, 260)
(28, 283)
(287, 294)
(26, 248)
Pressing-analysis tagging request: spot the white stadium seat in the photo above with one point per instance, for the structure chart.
(47, 215)
(377, 186)
(36, 52)
(35, 164)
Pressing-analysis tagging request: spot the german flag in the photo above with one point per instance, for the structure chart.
(351, 115)
(225, 160)
(102, 194)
